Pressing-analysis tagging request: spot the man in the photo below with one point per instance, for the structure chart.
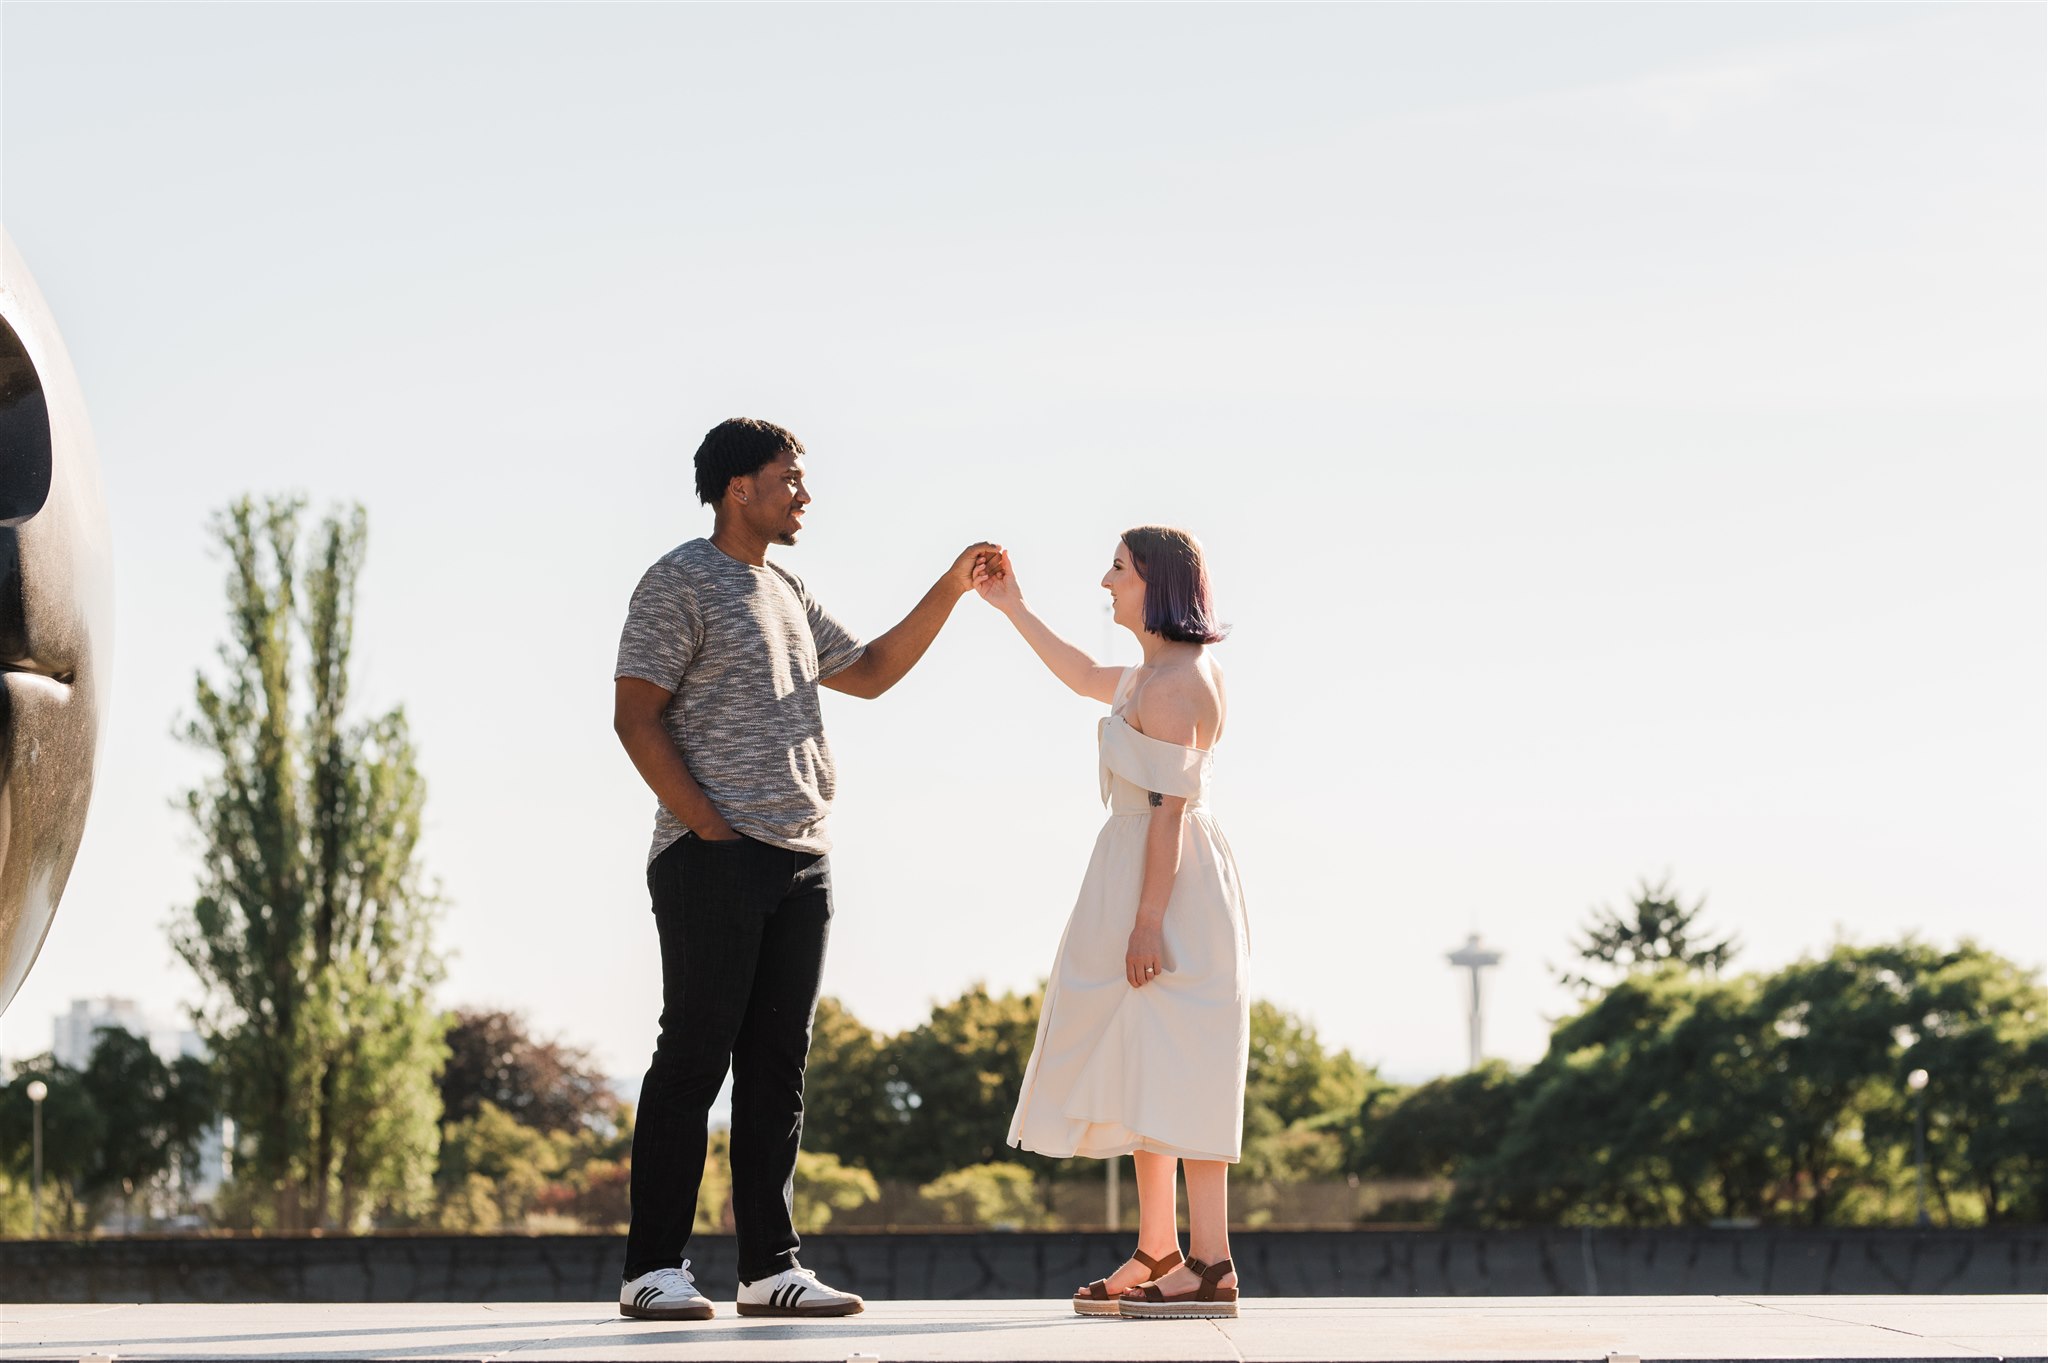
(716, 701)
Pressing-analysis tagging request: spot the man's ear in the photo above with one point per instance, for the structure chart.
(737, 488)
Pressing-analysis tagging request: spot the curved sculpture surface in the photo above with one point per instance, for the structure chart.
(56, 618)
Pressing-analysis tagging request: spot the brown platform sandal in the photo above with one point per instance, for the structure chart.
(1207, 1302)
(1095, 1299)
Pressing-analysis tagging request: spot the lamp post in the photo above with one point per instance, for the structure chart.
(1917, 1082)
(37, 1091)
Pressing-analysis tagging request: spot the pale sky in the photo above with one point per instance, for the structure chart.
(1618, 433)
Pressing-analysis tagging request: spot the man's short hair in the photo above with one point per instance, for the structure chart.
(735, 448)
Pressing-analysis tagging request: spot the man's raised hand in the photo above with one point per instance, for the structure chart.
(961, 575)
(996, 582)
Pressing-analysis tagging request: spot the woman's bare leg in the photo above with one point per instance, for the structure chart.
(1158, 1204)
(1157, 1210)
(1208, 1224)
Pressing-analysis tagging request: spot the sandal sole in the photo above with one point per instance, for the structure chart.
(1172, 1310)
(1085, 1307)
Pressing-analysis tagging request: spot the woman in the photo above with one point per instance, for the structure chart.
(1145, 1031)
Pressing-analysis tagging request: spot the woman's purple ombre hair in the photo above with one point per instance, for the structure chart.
(1178, 605)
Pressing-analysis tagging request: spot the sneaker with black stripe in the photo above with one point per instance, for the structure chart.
(664, 1294)
(796, 1292)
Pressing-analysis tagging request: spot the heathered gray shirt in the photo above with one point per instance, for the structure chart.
(743, 649)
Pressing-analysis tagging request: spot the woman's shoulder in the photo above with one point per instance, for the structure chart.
(1182, 699)
(1191, 675)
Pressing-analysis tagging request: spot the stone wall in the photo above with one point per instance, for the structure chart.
(984, 1265)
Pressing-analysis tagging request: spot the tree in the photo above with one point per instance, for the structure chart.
(865, 1094)
(597, 1194)
(1854, 1023)
(109, 1130)
(714, 1193)
(531, 1130)
(1300, 1101)
(547, 1085)
(956, 1083)
(1290, 1074)
(1657, 930)
(493, 1169)
(940, 1096)
(1982, 1036)
(823, 1186)
(1434, 1128)
(74, 1129)
(191, 1109)
(311, 929)
(847, 1110)
(1602, 1130)
(1002, 1195)
(1671, 1098)
(594, 1186)
(152, 1115)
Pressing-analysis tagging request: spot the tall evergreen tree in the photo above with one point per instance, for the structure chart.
(1657, 930)
(311, 931)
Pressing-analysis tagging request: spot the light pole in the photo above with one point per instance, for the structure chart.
(37, 1091)
(1917, 1082)
(1475, 958)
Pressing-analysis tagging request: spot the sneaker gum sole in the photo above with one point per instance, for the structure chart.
(666, 1312)
(748, 1308)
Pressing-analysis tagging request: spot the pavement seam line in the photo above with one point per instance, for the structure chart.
(1230, 1343)
(1837, 1320)
(567, 1330)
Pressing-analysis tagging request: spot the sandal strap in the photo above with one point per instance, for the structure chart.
(1210, 1274)
(1157, 1267)
(1207, 1292)
(1095, 1291)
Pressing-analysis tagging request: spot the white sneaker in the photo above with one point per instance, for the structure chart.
(664, 1294)
(796, 1292)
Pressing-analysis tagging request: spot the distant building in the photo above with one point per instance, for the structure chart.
(76, 1034)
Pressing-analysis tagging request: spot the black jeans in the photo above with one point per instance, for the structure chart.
(743, 928)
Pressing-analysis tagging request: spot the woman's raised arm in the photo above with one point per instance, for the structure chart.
(997, 585)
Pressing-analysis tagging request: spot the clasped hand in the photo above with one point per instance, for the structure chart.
(996, 580)
(972, 563)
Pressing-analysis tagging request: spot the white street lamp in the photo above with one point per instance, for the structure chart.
(37, 1091)
(1917, 1082)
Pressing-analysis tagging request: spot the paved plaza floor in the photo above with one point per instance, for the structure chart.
(1279, 1330)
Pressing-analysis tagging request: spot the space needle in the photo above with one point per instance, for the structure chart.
(1475, 958)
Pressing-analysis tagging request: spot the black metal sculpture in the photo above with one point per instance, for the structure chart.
(56, 619)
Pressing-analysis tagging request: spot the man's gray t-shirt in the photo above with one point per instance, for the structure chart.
(743, 649)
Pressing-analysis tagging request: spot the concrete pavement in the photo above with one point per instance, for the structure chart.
(1272, 1330)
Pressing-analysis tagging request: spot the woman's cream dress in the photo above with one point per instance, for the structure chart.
(1117, 1069)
